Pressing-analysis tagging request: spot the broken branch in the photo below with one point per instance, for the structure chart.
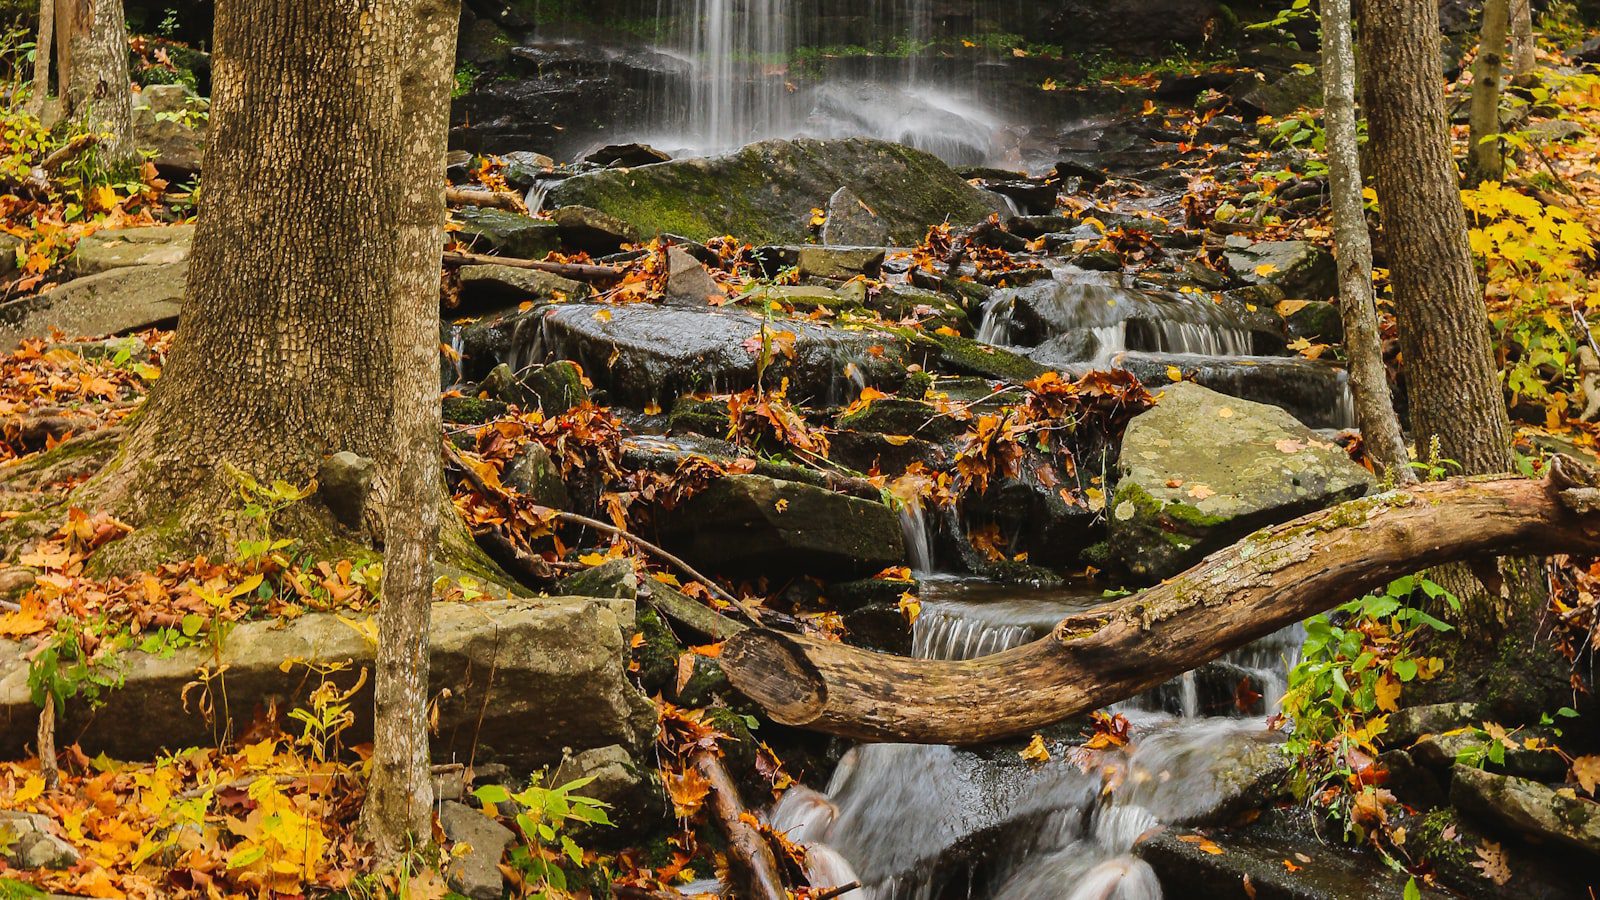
(577, 271)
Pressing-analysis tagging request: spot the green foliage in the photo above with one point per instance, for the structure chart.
(545, 816)
(1299, 9)
(1354, 664)
(79, 662)
(466, 79)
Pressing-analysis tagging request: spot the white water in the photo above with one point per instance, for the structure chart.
(893, 811)
(918, 534)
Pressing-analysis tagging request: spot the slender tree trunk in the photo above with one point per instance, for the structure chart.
(41, 57)
(1523, 46)
(1453, 387)
(1485, 159)
(93, 74)
(1369, 379)
(399, 796)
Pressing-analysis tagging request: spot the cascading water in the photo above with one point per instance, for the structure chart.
(907, 821)
(739, 49)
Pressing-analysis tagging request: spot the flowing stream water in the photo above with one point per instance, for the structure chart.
(916, 822)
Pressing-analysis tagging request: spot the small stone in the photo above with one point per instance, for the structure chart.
(556, 387)
(1412, 723)
(593, 231)
(495, 283)
(1302, 269)
(840, 263)
(626, 156)
(512, 234)
(689, 283)
(9, 244)
(29, 842)
(852, 223)
(534, 474)
(476, 872)
(344, 484)
(524, 168)
(614, 578)
(616, 774)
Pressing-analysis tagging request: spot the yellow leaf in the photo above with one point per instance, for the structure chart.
(1266, 269)
(1174, 373)
(1387, 693)
(31, 790)
(1287, 308)
(1035, 752)
(1586, 771)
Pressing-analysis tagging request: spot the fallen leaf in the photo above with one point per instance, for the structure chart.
(1035, 752)
(1586, 771)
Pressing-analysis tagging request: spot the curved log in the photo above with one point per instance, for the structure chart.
(1268, 580)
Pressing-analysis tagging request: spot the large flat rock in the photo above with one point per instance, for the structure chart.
(526, 678)
(150, 245)
(1202, 469)
(114, 301)
(765, 192)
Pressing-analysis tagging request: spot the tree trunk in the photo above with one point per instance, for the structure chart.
(92, 71)
(1485, 159)
(400, 792)
(1269, 580)
(1453, 387)
(1363, 345)
(41, 58)
(1523, 46)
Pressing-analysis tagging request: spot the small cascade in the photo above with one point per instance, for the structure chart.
(998, 320)
(902, 818)
(918, 532)
(739, 50)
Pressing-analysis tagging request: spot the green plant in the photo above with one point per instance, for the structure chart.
(466, 77)
(545, 815)
(79, 662)
(1355, 661)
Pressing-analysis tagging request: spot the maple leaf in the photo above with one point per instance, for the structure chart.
(1586, 772)
(687, 789)
(1035, 752)
(1491, 862)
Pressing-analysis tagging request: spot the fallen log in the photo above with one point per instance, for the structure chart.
(575, 271)
(1267, 581)
(754, 867)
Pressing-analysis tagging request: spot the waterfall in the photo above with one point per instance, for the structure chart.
(739, 51)
(918, 536)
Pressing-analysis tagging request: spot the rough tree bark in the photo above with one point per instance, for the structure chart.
(1523, 58)
(1453, 389)
(1485, 157)
(92, 74)
(1271, 579)
(400, 792)
(1369, 378)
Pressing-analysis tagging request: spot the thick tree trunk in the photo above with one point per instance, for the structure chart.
(399, 798)
(1523, 58)
(1369, 378)
(1271, 579)
(1485, 159)
(285, 353)
(92, 71)
(1453, 387)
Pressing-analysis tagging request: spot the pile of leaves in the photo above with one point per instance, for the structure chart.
(50, 392)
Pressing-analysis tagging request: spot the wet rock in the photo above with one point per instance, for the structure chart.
(1413, 784)
(853, 595)
(1202, 470)
(1450, 842)
(512, 234)
(475, 871)
(1109, 318)
(1528, 807)
(470, 410)
(494, 284)
(27, 841)
(645, 353)
(749, 524)
(125, 247)
(840, 263)
(1440, 752)
(524, 168)
(704, 683)
(535, 475)
(969, 357)
(1316, 321)
(879, 626)
(593, 231)
(1283, 95)
(166, 121)
(1586, 53)
(572, 648)
(1251, 866)
(898, 416)
(616, 775)
(901, 303)
(111, 302)
(689, 284)
(1302, 269)
(614, 578)
(765, 192)
(555, 388)
(344, 485)
(627, 156)
(1408, 725)
(851, 223)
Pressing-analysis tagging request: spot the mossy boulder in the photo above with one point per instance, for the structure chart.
(1203, 469)
(1528, 808)
(510, 233)
(766, 191)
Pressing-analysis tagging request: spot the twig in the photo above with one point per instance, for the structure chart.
(47, 742)
(963, 408)
(839, 891)
(64, 155)
(752, 861)
(478, 483)
(492, 199)
(8, 606)
(579, 271)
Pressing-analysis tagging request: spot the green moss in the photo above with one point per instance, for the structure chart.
(693, 416)
(472, 410)
(968, 356)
